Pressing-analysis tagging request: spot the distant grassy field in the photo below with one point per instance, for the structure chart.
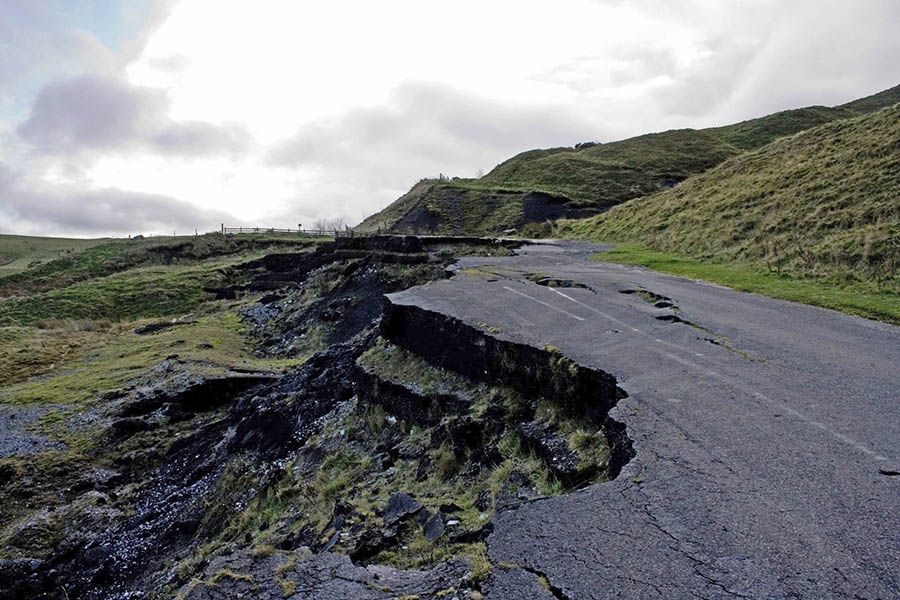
(130, 279)
(110, 256)
(860, 299)
(77, 360)
(19, 252)
(822, 205)
(66, 326)
(137, 293)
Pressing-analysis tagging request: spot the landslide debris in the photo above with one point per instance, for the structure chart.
(371, 469)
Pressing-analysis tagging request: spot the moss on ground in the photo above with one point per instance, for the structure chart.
(396, 364)
(92, 362)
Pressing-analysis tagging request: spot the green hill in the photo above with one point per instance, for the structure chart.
(541, 185)
(116, 279)
(20, 252)
(821, 204)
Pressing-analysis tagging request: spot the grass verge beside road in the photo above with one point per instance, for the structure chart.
(858, 299)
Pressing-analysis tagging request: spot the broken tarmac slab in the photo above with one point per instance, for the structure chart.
(512, 581)
(764, 479)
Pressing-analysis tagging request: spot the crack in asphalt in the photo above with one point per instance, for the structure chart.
(557, 592)
(559, 282)
(712, 573)
(698, 562)
(728, 381)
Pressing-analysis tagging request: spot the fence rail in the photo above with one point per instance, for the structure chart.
(310, 232)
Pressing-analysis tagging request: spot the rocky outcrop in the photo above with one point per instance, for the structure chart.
(564, 462)
(176, 390)
(406, 401)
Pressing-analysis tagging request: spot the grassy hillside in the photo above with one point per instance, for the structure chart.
(466, 207)
(19, 252)
(128, 279)
(538, 185)
(823, 204)
(107, 257)
(66, 326)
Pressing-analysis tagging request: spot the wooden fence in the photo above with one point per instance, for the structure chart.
(310, 232)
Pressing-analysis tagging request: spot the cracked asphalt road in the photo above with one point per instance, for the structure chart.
(765, 433)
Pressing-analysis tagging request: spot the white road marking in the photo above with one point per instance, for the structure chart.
(818, 424)
(542, 303)
(599, 312)
(682, 348)
(729, 382)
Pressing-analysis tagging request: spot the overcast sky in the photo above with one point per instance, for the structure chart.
(145, 116)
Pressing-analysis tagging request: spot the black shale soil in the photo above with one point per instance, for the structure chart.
(372, 470)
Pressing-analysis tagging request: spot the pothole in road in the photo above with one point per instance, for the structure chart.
(664, 302)
(672, 319)
(557, 282)
(657, 300)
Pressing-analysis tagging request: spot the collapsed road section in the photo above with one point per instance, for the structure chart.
(764, 432)
(375, 468)
(537, 425)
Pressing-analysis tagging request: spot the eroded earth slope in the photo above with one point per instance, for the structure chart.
(361, 450)
(403, 417)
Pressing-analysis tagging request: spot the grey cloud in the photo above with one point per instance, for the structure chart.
(34, 207)
(102, 113)
(430, 124)
(170, 64)
(824, 52)
(35, 43)
(641, 64)
(367, 157)
(589, 74)
(704, 85)
(196, 137)
(88, 112)
(762, 59)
